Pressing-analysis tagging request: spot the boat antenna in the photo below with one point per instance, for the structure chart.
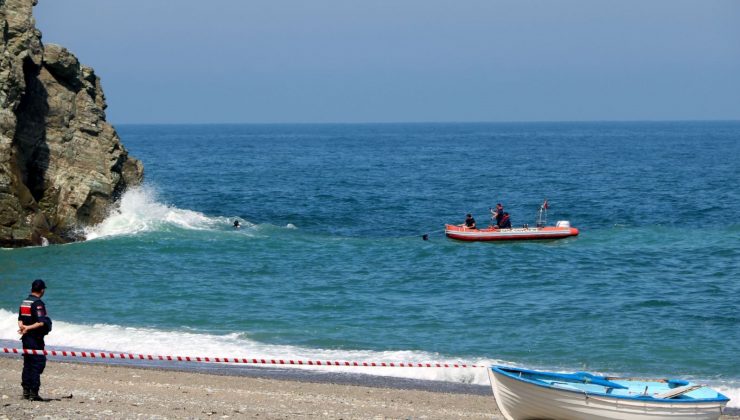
(542, 214)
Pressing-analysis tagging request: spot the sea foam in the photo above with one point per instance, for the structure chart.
(149, 341)
(120, 339)
(140, 211)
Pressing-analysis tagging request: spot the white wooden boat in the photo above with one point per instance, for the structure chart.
(529, 394)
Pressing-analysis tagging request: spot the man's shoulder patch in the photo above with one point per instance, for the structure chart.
(25, 309)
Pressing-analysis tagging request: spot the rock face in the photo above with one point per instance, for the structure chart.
(62, 165)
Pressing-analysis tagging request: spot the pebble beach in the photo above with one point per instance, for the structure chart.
(85, 390)
(101, 391)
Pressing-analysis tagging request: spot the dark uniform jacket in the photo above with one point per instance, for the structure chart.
(498, 214)
(505, 223)
(33, 310)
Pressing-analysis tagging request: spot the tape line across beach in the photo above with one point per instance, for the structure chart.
(242, 360)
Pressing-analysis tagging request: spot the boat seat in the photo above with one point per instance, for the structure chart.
(564, 385)
(675, 392)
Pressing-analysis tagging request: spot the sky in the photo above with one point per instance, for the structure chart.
(348, 61)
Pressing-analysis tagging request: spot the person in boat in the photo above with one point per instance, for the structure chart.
(505, 222)
(497, 213)
(237, 225)
(469, 222)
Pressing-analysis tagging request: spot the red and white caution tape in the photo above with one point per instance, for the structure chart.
(129, 356)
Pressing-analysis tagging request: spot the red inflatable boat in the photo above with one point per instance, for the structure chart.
(561, 230)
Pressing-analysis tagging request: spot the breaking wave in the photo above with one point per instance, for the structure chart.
(150, 341)
(140, 211)
(120, 339)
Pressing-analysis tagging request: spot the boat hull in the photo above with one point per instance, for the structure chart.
(519, 400)
(515, 234)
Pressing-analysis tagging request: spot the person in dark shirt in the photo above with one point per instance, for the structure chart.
(237, 225)
(469, 221)
(498, 213)
(33, 324)
(505, 222)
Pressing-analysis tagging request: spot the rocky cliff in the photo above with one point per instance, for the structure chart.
(62, 165)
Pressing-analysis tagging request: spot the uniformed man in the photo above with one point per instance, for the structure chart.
(33, 324)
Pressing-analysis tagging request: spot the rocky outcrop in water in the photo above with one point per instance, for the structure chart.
(62, 165)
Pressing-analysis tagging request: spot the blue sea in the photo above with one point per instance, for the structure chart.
(330, 263)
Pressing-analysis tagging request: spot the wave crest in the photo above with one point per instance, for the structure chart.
(140, 211)
(135, 340)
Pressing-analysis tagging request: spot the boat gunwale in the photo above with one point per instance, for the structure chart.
(461, 233)
(721, 398)
(491, 229)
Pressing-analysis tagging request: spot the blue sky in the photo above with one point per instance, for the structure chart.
(245, 61)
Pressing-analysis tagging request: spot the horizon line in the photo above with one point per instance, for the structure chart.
(432, 122)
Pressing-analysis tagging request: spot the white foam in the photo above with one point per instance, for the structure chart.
(119, 339)
(733, 393)
(139, 211)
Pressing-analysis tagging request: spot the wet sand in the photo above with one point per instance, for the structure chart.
(149, 392)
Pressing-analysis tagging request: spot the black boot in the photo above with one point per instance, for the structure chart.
(26, 392)
(34, 395)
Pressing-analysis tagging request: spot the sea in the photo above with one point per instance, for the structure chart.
(331, 261)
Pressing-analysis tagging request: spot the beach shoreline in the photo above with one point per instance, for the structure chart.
(134, 391)
(84, 389)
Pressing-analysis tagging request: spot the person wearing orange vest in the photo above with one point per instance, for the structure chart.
(505, 222)
(33, 324)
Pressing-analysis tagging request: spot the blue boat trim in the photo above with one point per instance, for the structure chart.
(589, 379)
